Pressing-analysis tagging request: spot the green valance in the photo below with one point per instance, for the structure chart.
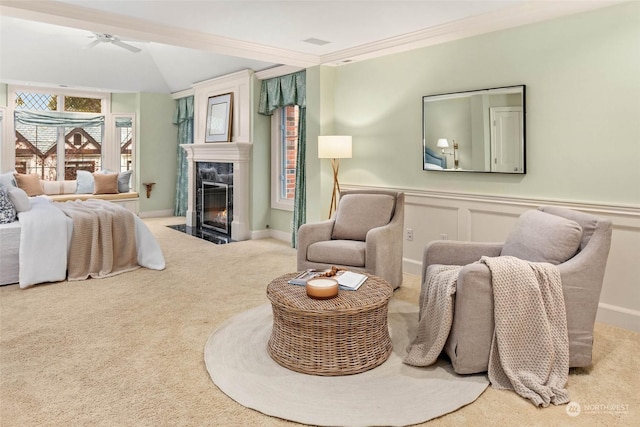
(57, 118)
(124, 122)
(282, 91)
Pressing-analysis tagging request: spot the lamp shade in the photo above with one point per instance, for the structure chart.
(442, 143)
(334, 147)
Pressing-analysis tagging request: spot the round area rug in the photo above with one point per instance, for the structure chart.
(392, 394)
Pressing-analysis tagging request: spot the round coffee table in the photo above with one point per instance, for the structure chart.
(344, 335)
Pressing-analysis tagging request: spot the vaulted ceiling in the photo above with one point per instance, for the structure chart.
(182, 42)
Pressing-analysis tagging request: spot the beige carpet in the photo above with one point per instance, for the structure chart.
(128, 350)
(237, 359)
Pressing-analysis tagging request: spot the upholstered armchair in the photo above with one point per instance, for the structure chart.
(578, 243)
(365, 234)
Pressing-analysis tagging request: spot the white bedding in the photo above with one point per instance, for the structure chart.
(44, 240)
(44, 244)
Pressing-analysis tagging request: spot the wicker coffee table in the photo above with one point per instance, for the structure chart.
(344, 335)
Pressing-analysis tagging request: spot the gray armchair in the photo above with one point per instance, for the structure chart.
(365, 234)
(469, 342)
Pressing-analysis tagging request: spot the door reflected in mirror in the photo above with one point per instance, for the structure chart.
(475, 131)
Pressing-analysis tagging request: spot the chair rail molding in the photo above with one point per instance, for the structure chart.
(488, 218)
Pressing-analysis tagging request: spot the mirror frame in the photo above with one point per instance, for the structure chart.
(437, 159)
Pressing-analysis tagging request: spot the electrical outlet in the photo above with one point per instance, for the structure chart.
(444, 237)
(410, 234)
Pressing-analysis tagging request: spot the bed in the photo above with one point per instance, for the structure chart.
(432, 161)
(75, 240)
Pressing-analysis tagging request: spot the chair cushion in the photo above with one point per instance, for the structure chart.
(359, 213)
(343, 252)
(542, 237)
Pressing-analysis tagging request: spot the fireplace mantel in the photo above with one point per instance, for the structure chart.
(218, 152)
(238, 153)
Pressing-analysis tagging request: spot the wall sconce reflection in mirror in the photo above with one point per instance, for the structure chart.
(488, 126)
(444, 143)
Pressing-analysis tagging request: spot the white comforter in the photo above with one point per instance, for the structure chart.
(44, 244)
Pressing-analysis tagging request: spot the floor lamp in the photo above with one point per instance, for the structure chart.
(334, 147)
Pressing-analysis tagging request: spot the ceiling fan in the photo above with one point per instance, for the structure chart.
(109, 38)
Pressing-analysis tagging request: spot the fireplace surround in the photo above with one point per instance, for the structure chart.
(232, 168)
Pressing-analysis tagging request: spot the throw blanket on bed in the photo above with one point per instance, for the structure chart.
(530, 347)
(103, 241)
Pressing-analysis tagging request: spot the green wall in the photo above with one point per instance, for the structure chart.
(583, 107)
(157, 146)
(3, 95)
(260, 196)
(158, 151)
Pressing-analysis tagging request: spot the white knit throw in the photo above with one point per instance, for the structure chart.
(530, 347)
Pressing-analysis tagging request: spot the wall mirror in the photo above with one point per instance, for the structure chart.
(475, 131)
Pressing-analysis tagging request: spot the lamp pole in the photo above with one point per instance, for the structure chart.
(334, 147)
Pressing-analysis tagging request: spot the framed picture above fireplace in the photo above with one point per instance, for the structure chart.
(219, 116)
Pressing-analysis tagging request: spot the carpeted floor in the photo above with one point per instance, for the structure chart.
(128, 350)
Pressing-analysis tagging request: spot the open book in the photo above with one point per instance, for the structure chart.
(347, 280)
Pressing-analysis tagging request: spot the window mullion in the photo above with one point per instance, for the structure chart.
(60, 152)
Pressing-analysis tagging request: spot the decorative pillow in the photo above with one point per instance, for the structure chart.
(30, 183)
(542, 237)
(586, 221)
(358, 213)
(123, 181)
(51, 187)
(19, 199)
(105, 183)
(85, 182)
(7, 179)
(7, 210)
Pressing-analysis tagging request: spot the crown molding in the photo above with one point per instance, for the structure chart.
(515, 16)
(281, 70)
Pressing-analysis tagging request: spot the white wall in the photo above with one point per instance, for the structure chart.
(583, 135)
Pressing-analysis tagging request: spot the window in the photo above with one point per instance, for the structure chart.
(53, 146)
(124, 138)
(284, 153)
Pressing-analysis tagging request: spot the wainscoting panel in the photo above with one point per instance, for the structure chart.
(469, 217)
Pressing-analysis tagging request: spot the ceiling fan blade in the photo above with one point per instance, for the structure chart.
(125, 46)
(92, 44)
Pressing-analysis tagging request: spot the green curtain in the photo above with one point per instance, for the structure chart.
(300, 197)
(183, 118)
(277, 93)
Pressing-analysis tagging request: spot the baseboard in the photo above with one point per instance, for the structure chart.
(281, 235)
(156, 214)
(619, 317)
(271, 234)
(412, 266)
(260, 234)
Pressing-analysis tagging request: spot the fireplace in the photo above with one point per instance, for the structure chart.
(214, 198)
(215, 207)
(220, 163)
